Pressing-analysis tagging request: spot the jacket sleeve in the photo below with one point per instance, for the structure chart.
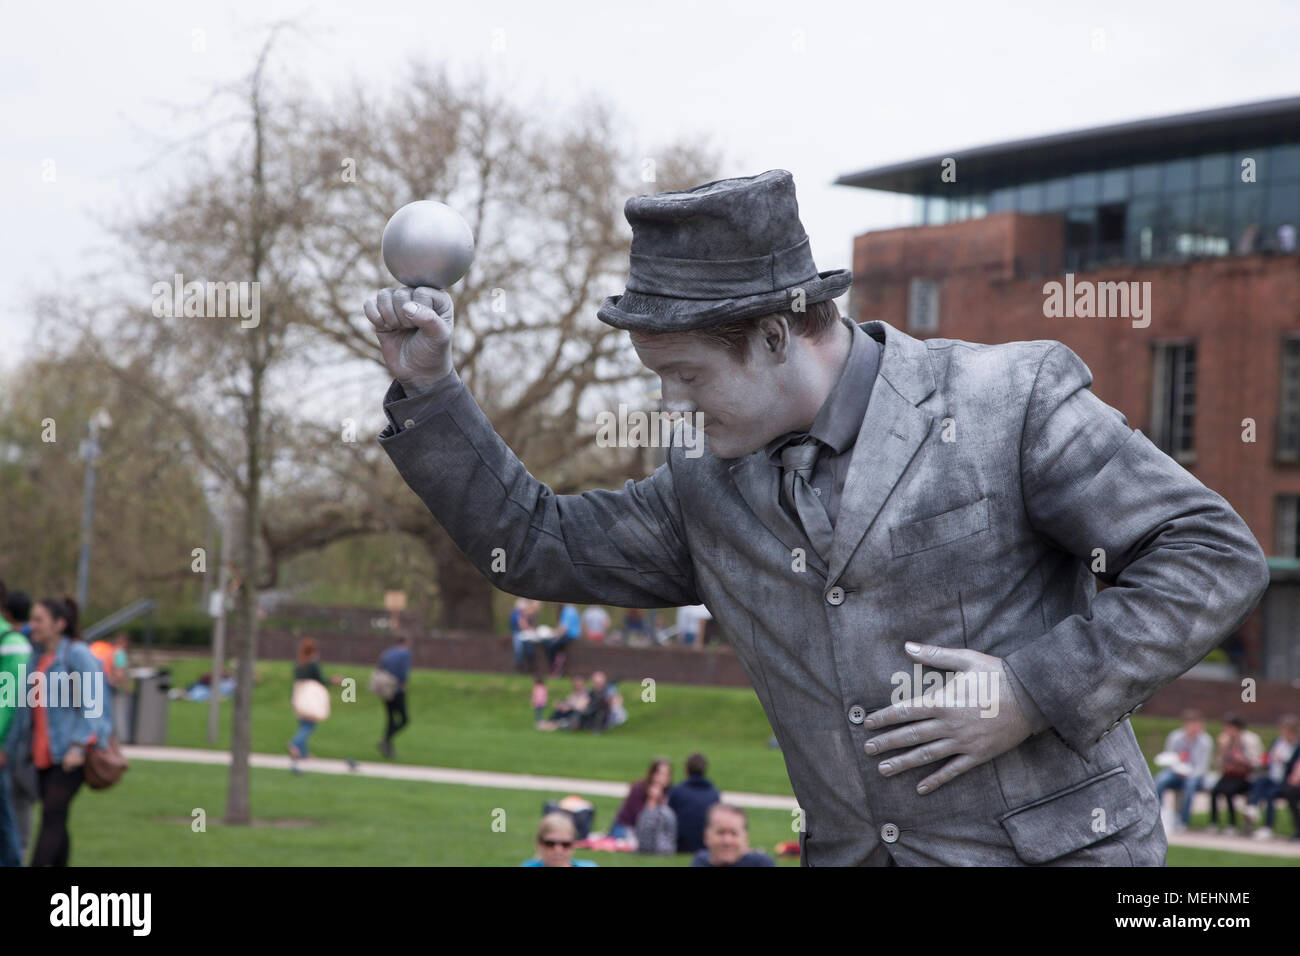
(1184, 570)
(625, 548)
(97, 715)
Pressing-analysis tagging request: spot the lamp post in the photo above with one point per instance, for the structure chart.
(217, 610)
(90, 454)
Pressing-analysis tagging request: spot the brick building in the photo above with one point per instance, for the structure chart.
(1172, 246)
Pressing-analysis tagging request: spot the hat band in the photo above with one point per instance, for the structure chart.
(721, 278)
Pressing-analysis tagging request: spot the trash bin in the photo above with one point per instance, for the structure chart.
(149, 720)
(123, 709)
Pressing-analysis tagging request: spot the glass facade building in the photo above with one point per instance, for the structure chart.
(1210, 184)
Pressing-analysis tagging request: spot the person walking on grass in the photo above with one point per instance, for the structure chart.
(308, 668)
(67, 720)
(395, 661)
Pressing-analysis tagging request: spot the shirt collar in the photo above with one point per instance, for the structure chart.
(840, 418)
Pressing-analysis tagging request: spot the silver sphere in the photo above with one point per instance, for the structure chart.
(427, 243)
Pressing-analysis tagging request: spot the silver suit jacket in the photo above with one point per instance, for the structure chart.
(988, 481)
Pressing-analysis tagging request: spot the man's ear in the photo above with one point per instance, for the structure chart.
(773, 337)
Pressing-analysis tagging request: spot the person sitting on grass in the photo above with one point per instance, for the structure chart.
(568, 712)
(595, 716)
(555, 838)
(661, 772)
(691, 800)
(617, 712)
(656, 827)
(726, 840)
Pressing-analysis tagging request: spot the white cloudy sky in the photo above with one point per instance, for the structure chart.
(876, 82)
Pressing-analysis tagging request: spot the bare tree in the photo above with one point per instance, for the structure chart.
(295, 211)
(544, 200)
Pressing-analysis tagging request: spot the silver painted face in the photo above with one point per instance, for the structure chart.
(742, 403)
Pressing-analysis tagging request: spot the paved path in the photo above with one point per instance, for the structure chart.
(606, 788)
(473, 778)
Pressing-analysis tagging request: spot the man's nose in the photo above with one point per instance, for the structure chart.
(675, 400)
(674, 405)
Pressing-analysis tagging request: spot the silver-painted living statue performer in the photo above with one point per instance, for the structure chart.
(895, 535)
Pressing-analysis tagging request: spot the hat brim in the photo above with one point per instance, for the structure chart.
(640, 312)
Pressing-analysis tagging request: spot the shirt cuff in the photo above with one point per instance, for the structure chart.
(1037, 721)
(408, 411)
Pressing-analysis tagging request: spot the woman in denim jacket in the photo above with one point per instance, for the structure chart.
(70, 716)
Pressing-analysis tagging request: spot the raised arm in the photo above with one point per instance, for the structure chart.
(625, 548)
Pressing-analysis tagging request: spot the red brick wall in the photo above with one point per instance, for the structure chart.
(1236, 308)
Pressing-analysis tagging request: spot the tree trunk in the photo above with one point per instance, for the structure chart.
(238, 798)
(464, 594)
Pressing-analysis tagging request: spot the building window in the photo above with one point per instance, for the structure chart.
(1085, 188)
(923, 306)
(1287, 540)
(1173, 399)
(936, 210)
(1282, 215)
(1115, 185)
(1056, 194)
(1178, 175)
(1029, 198)
(1001, 200)
(1146, 179)
(1248, 216)
(1288, 417)
(1213, 170)
(1285, 161)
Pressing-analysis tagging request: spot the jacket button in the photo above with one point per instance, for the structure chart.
(835, 596)
(409, 423)
(889, 833)
(857, 714)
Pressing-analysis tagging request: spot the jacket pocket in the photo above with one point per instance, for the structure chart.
(1068, 819)
(940, 529)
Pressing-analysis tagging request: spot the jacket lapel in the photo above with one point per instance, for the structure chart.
(759, 482)
(891, 434)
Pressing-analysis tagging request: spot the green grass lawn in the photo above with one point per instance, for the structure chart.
(484, 722)
(331, 820)
(478, 722)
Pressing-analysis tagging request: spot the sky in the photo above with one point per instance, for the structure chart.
(818, 88)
